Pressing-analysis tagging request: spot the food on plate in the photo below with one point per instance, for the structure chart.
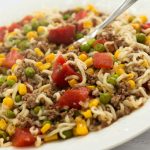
(51, 89)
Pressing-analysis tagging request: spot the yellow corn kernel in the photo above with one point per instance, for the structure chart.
(13, 67)
(14, 49)
(49, 58)
(90, 71)
(71, 47)
(80, 129)
(39, 64)
(145, 63)
(72, 82)
(2, 55)
(93, 102)
(22, 89)
(38, 52)
(11, 34)
(132, 84)
(117, 53)
(12, 77)
(10, 129)
(39, 15)
(45, 128)
(1, 61)
(119, 71)
(32, 35)
(45, 66)
(83, 57)
(148, 40)
(3, 124)
(91, 87)
(41, 29)
(87, 114)
(87, 24)
(89, 62)
(136, 26)
(143, 19)
(130, 76)
(92, 8)
(8, 102)
(51, 138)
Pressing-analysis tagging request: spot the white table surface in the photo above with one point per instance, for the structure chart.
(141, 142)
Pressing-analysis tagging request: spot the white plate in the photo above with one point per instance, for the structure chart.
(114, 135)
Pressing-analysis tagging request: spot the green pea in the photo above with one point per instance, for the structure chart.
(46, 121)
(68, 134)
(35, 24)
(85, 47)
(2, 80)
(22, 45)
(112, 79)
(16, 41)
(27, 28)
(141, 38)
(37, 109)
(66, 16)
(79, 36)
(3, 135)
(29, 72)
(10, 82)
(91, 42)
(18, 98)
(10, 114)
(99, 47)
(105, 98)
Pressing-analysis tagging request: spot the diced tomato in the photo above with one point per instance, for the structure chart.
(102, 60)
(11, 58)
(80, 27)
(100, 41)
(62, 35)
(26, 19)
(80, 15)
(61, 71)
(146, 26)
(14, 26)
(22, 138)
(73, 97)
(2, 32)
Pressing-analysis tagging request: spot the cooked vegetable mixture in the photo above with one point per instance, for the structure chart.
(51, 89)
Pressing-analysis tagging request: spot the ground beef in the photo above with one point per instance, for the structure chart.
(110, 46)
(91, 79)
(30, 100)
(25, 122)
(116, 100)
(123, 88)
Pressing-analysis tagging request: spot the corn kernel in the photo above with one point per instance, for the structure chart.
(87, 24)
(32, 35)
(15, 49)
(132, 84)
(93, 102)
(3, 124)
(92, 8)
(72, 82)
(49, 58)
(89, 62)
(45, 128)
(120, 71)
(41, 29)
(148, 40)
(8, 102)
(22, 89)
(39, 64)
(145, 63)
(83, 57)
(2, 55)
(39, 15)
(143, 19)
(1, 61)
(87, 114)
(12, 77)
(91, 87)
(71, 47)
(13, 67)
(51, 138)
(130, 76)
(38, 52)
(90, 71)
(45, 66)
(136, 26)
(116, 55)
(80, 129)
(10, 129)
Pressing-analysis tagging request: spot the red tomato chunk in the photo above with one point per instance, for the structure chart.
(11, 58)
(102, 60)
(14, 26)
(62, 35)
(2, 32)
(100, 41)
(146, 26)
(22, 138)
(73, 97)
(61, 71)
(80, 15)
